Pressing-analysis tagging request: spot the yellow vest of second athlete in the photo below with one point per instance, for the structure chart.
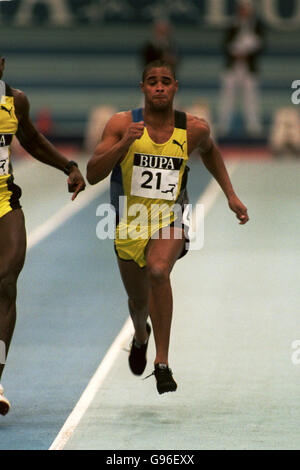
(8, 128)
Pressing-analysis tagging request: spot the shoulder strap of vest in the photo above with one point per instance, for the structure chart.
(180, 117)
(137, 115)
(180, 120)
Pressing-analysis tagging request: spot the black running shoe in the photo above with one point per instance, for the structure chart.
(137, 357)
(164, 379)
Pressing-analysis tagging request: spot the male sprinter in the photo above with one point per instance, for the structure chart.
(15, 120)
(148, 149)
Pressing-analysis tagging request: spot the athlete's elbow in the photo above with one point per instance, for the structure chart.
(91, 178)
(91, 175)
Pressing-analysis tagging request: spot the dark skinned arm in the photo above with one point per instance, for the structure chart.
(213, 161)
(119, 133)
(40, 148)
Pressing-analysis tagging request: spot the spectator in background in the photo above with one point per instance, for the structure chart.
(243, 43)
(160, 46)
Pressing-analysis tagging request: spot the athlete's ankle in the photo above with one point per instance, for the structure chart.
(162, 362)
(141, 335)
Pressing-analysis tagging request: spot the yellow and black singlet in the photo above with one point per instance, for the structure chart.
(146, 188)
(9, 192)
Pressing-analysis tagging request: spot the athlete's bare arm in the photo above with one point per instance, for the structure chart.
(199, 138)
(119, 133)
(39, 147)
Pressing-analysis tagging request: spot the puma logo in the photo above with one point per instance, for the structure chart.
(5, 109)
(2, 164)
(179, 144)
(170, 190)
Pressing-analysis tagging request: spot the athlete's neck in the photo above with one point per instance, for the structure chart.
(158, 117)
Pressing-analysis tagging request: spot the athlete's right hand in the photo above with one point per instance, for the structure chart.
(134, 131)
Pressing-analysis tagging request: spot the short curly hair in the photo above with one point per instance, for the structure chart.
(158, 64)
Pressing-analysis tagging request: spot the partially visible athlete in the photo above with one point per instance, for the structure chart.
(15, 120)
(147, 151)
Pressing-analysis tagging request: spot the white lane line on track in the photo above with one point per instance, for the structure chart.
(92, 388)
(207, 199)
(65, 213)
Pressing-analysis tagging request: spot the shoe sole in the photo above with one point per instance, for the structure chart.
(167, 388)
(140, 371)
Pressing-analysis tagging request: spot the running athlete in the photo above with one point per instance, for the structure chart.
(147, 151)
(15, 120)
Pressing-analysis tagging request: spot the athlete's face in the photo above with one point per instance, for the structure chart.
(2, 63)
(159, 88)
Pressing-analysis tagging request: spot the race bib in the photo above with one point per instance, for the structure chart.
(4, 161)
(5, 141)
(155, 176)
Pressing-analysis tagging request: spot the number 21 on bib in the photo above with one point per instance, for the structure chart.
(155, 176)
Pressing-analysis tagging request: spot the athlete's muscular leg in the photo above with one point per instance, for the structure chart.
(136, 284)
(161, 255)
(12, 256)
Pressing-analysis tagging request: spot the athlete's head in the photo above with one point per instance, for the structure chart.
(245, 9)
(159, 84)
(158, 64)
(2, 63)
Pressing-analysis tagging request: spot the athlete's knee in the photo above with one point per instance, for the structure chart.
(8, 287)
(158, 271)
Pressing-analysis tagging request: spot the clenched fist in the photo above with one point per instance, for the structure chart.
(134, 131)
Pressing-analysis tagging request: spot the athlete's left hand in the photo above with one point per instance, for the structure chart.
(240, 210)
(76, 182)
